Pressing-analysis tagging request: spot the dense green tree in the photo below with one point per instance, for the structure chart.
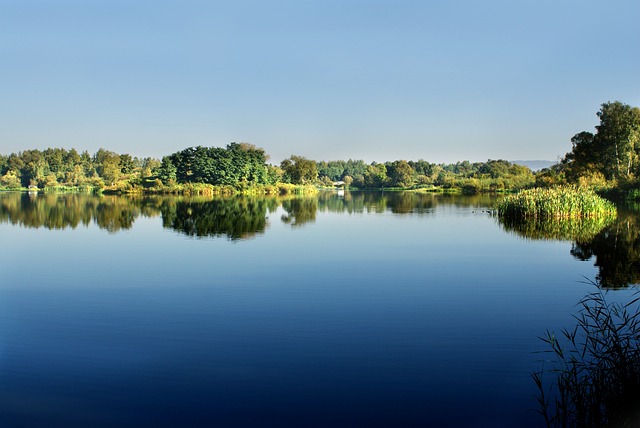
(274, 174)
(354, 167)
(126, 163)
(72, 158)
(239, 165)
(107, 165)
(299, 170)
(149, 167)
(334, 170)
(4, 164)
(375, 176)
(613, 150)
(35, 168)
(495, 168)
(167, 170)
(55, 158)
(618, 135)
(422, 167)
(86, 161)
(248, 164)
(400, 173)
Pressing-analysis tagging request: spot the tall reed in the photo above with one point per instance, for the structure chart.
(595, 367)
(559, 202)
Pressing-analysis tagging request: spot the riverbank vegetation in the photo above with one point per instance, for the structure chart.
(243, 168)
(607, 161)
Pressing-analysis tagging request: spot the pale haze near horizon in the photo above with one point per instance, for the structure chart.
(443, 81)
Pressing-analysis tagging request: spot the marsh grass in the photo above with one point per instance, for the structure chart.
(559, 202)
(595, 367)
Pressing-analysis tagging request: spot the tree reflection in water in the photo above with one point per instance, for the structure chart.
(613, 243)
(234, 218)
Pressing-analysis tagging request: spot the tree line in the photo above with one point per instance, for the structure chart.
(608, 157)
(244, 166)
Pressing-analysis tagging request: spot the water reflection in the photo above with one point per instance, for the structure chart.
(300, 211)
(613, 243)
(396, 202)
(234, 218)
(616, 250)
(570, 229)
(62, 211)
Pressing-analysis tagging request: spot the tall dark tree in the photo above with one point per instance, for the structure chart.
(613, 150)
(618, 134)
(127, 164)
(400, 173)
(4, 164)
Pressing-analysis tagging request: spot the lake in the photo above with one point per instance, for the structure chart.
(354, 309)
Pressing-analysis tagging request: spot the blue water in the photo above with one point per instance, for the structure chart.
(426, 318)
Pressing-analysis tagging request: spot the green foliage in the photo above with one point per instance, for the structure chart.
(299, 170)
(243, 167)
(4, 164)
(167, 171)
(595, 367)
(490, 176)
(554, 203)
(126, 163)
(239, 165)
(293, 189)
(332, 170)
(400, 174)
(613, 150)
(375, 176)
(107, 165)
(10, 181)
(551, 177)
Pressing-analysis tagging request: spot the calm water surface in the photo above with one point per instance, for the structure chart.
(341, 310)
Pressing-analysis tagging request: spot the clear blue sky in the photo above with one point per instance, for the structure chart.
(376, 80)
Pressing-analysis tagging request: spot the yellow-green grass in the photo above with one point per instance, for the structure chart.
(559, 202)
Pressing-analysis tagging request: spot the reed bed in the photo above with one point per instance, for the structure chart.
(559, 202)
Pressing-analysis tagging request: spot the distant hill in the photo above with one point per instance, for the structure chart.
(534, 165)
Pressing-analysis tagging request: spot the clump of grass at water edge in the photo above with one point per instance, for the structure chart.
(592, 378)
(559, 202)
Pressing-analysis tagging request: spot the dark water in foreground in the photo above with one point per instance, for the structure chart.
(341, 310)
